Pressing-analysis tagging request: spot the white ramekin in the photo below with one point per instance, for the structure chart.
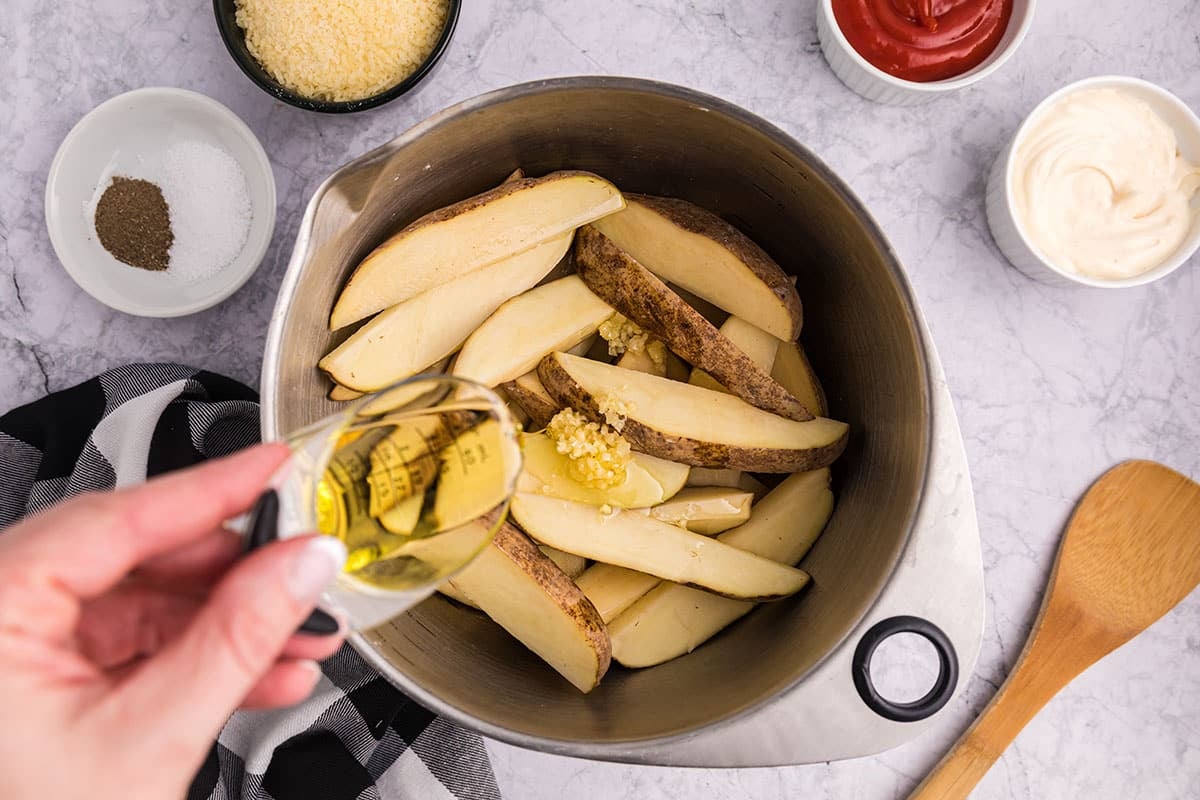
(127, 135)
(875, 84)
(1010, 234)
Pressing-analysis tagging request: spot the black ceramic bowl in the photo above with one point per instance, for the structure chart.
(235, 41)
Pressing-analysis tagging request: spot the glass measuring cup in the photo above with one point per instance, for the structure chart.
(414, 479)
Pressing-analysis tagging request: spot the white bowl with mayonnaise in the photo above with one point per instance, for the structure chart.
(1100, 186)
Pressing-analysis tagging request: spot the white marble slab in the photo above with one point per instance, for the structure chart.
(1052, 385)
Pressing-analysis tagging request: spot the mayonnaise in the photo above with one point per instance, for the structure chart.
(1100, 186)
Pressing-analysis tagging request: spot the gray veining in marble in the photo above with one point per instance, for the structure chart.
(1052, 385)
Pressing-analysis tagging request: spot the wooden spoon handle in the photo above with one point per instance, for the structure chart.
(1130, 553)
(1040, 672)
(960, 770)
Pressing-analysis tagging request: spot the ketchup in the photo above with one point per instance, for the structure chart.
(923, 40)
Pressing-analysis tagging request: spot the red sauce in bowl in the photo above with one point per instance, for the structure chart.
(923, 40)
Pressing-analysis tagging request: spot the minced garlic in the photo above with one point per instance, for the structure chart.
(599, 455)
(658, 354)
(615, 410)
(623, 334)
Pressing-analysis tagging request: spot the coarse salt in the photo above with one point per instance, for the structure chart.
(209, 202)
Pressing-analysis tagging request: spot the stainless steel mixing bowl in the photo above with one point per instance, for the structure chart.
(859, 329)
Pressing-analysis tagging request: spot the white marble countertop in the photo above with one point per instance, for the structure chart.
(1052, 385)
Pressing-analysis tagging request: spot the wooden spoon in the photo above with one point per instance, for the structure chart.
(1130, 554)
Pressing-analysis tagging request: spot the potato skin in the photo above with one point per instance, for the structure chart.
(342, 394)
(694, 219)
(540, 412)
(695, 452)
(623, 283)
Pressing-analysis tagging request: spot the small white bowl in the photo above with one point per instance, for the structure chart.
(128, 135)
(875, 84)
(1007, 228)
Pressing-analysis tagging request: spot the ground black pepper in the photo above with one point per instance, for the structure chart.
(134, 223)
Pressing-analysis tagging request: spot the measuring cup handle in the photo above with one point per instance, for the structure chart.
(934, 699)
(262, 529)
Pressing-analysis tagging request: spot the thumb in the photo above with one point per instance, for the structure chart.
(194, 684)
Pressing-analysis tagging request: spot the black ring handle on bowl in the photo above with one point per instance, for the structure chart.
(934, 699)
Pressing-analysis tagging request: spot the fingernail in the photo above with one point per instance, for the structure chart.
(311, 666)
(315, 566)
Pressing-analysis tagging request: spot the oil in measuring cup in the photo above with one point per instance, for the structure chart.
(415, 494)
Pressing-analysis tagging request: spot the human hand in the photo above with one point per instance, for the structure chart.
(130, 630)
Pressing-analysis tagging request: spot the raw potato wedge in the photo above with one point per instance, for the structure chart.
(671, 620)
(756, 343)
(694, 248)
(729, 478)
(407, 394)
(516, 409)
(638, 542)
(402, 518)
(634, 291)
(795, 374)
(527, 392)
(546, 471)
(520, 588)
(569, 563)
(706, 511)
(340, 394)
(474, 476)
(510, 342)
(788, 520)
(671, 475)
(672, 366)
(410, 336)
(666, 623)
(614, 589)
(640, 361)
(454, 241)
(691, 425)
(453, 593)
(752, 340)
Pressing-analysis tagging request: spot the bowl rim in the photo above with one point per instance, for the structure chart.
(612, 750)
(1186, 249)
(114, 298)
(277, 90)
(993, 62)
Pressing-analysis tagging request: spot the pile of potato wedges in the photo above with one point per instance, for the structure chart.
(512, 288)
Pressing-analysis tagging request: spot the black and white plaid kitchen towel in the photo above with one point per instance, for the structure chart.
(357, 737)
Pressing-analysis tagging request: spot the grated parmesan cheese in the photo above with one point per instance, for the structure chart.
(339, 50)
